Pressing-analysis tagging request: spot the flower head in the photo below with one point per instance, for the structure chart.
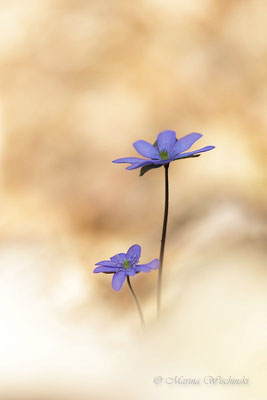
(166, 149)
(123, 264)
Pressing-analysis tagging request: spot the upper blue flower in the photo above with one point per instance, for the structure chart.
(124, 264)
(166, 149)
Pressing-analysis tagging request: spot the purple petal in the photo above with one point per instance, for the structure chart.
(134, 251)
(162, 162)
(130, 271)
(185, 143)
(118, 258)
(190, 153)
(166, 140)
(143, 268)
(118, 279)
(127, 160)
(152, 264)
(106, 263)
(146, 149)
(139, 164)
(104, 269)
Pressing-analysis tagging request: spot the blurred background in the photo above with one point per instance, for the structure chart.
(80, 82)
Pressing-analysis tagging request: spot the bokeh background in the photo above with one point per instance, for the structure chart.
(82, 80)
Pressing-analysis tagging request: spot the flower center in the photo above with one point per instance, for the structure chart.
(126, 264)
(164, 155)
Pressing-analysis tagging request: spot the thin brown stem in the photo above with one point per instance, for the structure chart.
(163, 239)
(137, 303)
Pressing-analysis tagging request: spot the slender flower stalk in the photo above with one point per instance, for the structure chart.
(163, 238)
(139, 309)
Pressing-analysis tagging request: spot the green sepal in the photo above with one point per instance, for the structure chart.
(147, 168)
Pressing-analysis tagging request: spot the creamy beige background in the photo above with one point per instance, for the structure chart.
(80, 82)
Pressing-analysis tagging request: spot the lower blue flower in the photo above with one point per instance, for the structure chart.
(123, 264)
(166, 149)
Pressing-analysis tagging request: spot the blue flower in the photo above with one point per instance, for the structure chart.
(166, 149)
(124, 264)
